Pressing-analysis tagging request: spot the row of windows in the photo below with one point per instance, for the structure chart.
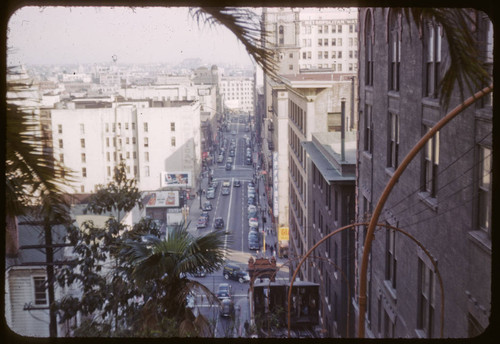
(307, 55)
(294, 201)
(324, 29)
(294, 143)
(297, 115)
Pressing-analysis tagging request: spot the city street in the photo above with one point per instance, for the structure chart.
(233, 209)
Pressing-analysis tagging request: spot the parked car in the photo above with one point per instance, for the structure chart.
(253, 222)
(219, 223)
(225, 191)
(252, 211)
(251, 200)
(220, 159)
(229, 160)
(236, 183)
(210, 193)
(214, 184)
(207, 206)
(205, 214)
(235, 273)
(233, 132)
(254, 240)
(251, 184)
(229, 166)
(202, 222)
(231, 153)
(226, 308)
(224, 291)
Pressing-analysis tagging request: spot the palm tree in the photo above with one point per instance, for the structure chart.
(163, 267)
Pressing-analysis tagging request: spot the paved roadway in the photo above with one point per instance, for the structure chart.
(233, 209)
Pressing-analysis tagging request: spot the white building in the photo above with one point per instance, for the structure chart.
(238, 93)
(152, 137)
(313, 38)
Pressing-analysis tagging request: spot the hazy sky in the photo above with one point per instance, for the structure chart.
(72, 35)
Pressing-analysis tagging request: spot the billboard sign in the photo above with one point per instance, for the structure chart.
(163, 199)
(176, 179)
(283, 234)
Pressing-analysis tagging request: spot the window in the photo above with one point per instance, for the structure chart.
(84, 158)
(114, 127)
(334, 41)
(133, 140)
(393, 144)
(309, 54)
(431, 163)
(339, 55)
(135, 170)
(61, 145)
(82, 143)
(368, 139)
(484, 206)
(394, 51)
(320, 42)
(350, 67)
(320, 55)
(61, 158)
(351, 28)
(425, 309)
(172, 141)
(145, 127)
(339, 28)
(146, 156)
(108, 156)
(339, 67)
(369, 49)
(390, 257)
(350, 54)
(128, 155)
(304, 55)
(325, 54)
(325, 42)
(134, 155)
(146, 142)
(339, 41)
(325, 28)
(107, 127)
(114, 141)
(40, 290)
(108, 170)
(290, 67)
(59, 128)
(281, 34)
(126, 126)
(335, 206)
(432, 51)
(133, 125)
(334, 54)
(146, 171)
(82, 128)
(320, 29)
(290, 55)
(350, 42)
(84, 172)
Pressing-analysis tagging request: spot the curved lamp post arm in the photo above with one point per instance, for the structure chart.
(385, 194)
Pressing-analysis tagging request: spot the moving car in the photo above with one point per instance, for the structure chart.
(220, 159)
(225, 191)
(229, 160)
(205, 214)
(219, 223)
(226, 308)
(235, 273)
(233, 132)
(226, 183)
(229, 166)
(224, 291)
(231, 153)
(236, 183)
(248, 161)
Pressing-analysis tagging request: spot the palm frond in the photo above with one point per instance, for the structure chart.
(246, 26)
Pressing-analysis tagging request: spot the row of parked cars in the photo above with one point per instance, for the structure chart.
(254, 237)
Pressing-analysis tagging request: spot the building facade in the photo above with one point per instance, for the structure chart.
(443, 199)
(332, 199)
(238, 93)
(151, 137)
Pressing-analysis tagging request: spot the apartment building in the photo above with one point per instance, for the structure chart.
(153, 138)
(303, 104)
(331, 181)
(238, 93)
(443, 199)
